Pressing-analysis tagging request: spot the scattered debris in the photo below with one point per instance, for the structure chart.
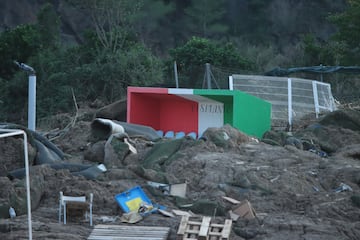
(319, 152)
(132, 199)
(343, 188)
(135, 203)
(107, 219)
(131, 217)
(77, 206)
(166, 213)
(233, 201)
(164, 188)
(178, 189)
(131, 147)
(203, 229)
(92, 172)
(243, 210)
(12, 212)
(182, 213)
(275, 178)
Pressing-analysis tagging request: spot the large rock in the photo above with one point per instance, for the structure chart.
(95, 153)
(161, 153)
(115, 151)
(329, 138)
(12, 154)
(13, 193)
(346, 118)
(226, 137)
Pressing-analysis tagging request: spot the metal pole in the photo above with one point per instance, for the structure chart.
(290, 104)
(32, 102)
(27, 186)
(316, 98)
(208, 75)
(321, 75)
(176, 75)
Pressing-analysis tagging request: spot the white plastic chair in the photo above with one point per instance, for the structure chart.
(68, 199)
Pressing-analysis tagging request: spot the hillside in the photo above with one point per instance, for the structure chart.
(272, 22)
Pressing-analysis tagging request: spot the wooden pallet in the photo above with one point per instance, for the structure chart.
(203, 230)
(124, 232)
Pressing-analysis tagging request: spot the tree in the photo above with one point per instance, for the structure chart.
(17, 44)
(320, 52)
(152, 24)
(113, 20)
(193, 55)
(249, 20)
(205, 18)
(48, 25)
(348, 23)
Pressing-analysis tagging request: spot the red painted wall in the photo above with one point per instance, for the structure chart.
(145, 110)
(143, 106)
(179, 114)
(161, 111)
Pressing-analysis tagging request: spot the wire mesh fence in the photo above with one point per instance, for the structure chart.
(291, 98)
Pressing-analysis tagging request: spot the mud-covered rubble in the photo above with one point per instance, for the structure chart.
(294, 191)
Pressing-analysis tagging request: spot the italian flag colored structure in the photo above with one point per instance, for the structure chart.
(192, 111)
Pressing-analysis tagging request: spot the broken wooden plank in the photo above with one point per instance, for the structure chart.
(166, 213)
(183, 225)
(225, 233)
(181, 213)
(245, 210)
(233, 216)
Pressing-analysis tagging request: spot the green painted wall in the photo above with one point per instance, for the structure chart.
(245, 112)
(252, 114)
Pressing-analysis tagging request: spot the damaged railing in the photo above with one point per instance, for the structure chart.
(14, 132)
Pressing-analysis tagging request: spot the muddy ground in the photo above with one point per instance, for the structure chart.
(295, 192)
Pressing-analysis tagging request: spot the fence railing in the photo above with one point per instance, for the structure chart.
(291, 98)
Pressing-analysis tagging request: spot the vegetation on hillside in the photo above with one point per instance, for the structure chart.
(137, 43)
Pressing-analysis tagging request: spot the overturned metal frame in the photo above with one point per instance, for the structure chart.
(14, 132)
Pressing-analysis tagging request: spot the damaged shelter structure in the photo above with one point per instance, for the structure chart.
(174, 111)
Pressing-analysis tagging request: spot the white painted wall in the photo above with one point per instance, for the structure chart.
(211, 114)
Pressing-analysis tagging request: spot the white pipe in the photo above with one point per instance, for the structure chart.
(32, 102)
(12, 132)
(115, 128)
(231, 82)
